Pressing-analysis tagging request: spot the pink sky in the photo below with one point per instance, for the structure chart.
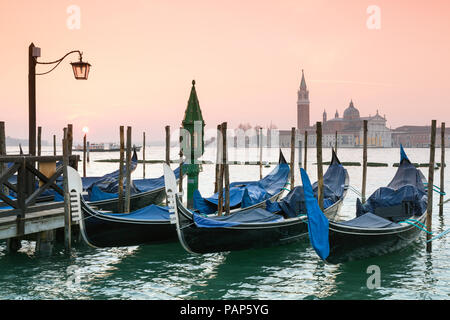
(246, 58)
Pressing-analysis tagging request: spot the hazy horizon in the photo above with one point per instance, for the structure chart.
(246, 58)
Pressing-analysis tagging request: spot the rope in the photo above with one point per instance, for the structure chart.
(412, 223)
(439, 235)
(435, 186)
(353, 189)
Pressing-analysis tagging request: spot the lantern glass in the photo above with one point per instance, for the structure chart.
(81, 70)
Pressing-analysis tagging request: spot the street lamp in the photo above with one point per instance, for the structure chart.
(80, 71)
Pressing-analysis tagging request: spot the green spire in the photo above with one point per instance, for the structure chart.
(193, 112)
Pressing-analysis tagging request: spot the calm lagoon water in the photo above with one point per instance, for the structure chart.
(294, 271)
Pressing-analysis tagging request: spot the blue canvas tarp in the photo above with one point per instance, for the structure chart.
(143, 185)
(317, 221)
(406, 186)
(293, 204)
(151, 212)
(137, 186)
(369, 220)
(247, 193)
(109, 180)
(256, 215)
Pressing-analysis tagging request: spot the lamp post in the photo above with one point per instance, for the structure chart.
(80, 71)
(193, 147)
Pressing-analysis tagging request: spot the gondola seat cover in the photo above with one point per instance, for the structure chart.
(144, 185)
(254, 191)
(96, 193)
(293, 204)
(405, 187)
(257, 215)
(151, 212)
(369, 220)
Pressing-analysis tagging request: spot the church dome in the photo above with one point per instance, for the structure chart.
(351, 112)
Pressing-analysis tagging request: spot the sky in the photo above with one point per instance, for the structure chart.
(245, 56)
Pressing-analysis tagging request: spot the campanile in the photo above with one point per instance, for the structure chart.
(303, 106)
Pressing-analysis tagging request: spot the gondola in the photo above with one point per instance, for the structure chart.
(390, 220)
(278, 223)
(248, 194)
(150, 224)
(102, 192)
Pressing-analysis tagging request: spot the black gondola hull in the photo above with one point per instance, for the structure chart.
(137, 201)
(247, 236)
(104, 231)
(348, 244)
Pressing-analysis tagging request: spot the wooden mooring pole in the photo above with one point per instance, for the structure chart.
(39, 141)
(180, 186)
(87, 151)
(128, 172)
(226, 171)
(168, 145)
(292, 163)
(3, 150)
(67, 207)
(430, 184)
(121, 163)
(441, 196)
(143, 155)
(319, 164)
(306, 151)
(218, 159)
(335, 142)
(70, 137)
(84, 155)
(260, 153)
(221, 174)
(364, 174)
(54, 144)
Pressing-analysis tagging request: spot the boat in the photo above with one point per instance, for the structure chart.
(390, 220)
(102, 147)
(147, 225)
(248, 194)
(101, 193)
(278, 223)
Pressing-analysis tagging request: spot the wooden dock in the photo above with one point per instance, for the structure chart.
(34, 222)
(29, 211)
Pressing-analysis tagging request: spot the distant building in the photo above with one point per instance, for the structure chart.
(417, 136)
(349, 128)
(303, 105)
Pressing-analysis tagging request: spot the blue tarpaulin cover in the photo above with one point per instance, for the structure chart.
(334, 186)
(255, 215)
(317, 221)
(137, 186)
(151, 212)
(406, 186)
(105, 181)
(369, 220)
(247, 193)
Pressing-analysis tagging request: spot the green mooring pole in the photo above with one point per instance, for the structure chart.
(193, 148)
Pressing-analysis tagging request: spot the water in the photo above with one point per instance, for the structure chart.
(294, 271)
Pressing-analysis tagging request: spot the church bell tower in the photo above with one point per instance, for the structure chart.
(303, 106)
